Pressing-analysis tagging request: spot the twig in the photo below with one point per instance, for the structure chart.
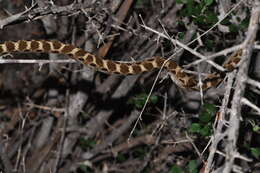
(240, 89)
(34, 61)
(219, 135)
(220, 53)
(33, 14)
(32, 105)
(250, 104)
(194, 146)
(253, 83)
(63, 132)
(5, 159)
(183, 46)
(15, 17)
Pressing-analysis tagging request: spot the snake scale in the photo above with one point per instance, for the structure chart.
(177, 74)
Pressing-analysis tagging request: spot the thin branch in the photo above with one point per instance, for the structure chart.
(183, 46)
(220, 53)
(250, 104)
(35, 13)
(34, 61)
(240, 84)
(253, 83)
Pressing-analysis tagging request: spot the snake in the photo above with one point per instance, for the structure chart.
(177, 73)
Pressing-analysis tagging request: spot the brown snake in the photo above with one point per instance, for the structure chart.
(177, 74)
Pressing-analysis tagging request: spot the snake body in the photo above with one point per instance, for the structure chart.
(177, 74)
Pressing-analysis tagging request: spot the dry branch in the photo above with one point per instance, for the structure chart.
(34, 13)
(232, 124)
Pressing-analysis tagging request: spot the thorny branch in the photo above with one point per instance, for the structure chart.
(232, 129)
(34, 13)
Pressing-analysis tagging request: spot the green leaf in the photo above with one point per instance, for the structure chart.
(154, 99)
(85, 169)
(205, 117)
(256, 128)
(225, 21)
(190, 7)
(140, 99)
(140, 3)
(120, 157)
(176, 169)
(208, 2)
(195, 128)
(233, 28)
(210, 44)
(192, 166)
(207, 113)
(210, 107)
(181, 35)
(87, 143)
(211, 18)
(244, 24)
(200, 20)
(255, 152)
(206, 130)
(180, 1)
